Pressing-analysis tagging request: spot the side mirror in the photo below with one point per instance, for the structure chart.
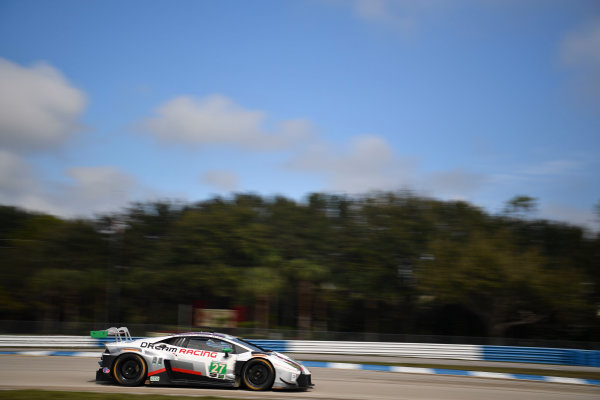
(227, 351)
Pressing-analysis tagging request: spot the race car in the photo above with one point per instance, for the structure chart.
(197, 358)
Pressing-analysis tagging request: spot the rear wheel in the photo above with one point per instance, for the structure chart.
(258, 374)
(129, 370)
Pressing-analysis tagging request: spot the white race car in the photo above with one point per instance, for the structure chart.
(197, 358)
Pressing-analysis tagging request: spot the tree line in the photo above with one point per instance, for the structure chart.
(381, 262)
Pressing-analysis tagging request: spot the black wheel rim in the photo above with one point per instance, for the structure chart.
(258, 374)
(130, 369)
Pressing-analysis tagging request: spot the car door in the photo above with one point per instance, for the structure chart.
(222, 366)
(203, 359)
(186, 363)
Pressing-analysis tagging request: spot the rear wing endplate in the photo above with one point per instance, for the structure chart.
(121, 334)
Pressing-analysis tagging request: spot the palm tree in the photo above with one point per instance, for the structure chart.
(307, 274)
(263, 283)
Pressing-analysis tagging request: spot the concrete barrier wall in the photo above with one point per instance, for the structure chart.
(542, 355)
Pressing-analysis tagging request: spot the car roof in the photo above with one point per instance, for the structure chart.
(210, 334)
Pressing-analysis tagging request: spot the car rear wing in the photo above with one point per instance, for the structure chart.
(121, 334)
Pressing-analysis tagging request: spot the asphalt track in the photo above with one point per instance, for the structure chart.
(77, 374)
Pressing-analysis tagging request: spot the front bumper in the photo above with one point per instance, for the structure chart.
(304, 381)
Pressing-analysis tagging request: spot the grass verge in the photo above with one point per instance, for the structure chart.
(52, 395)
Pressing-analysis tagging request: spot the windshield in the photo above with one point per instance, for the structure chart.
(245, 343)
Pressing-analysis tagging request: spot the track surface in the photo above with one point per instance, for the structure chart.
(77, 374)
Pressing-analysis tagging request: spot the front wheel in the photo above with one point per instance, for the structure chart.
(258, 374)
(129, 370)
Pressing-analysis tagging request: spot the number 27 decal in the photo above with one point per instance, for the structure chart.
(218, 368)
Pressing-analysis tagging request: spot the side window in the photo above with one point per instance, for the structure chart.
(178, 341)
(238, 349)
(175, 341)
(212, 344)
(197, 343)
(217, 345)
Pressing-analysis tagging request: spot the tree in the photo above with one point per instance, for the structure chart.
(503, 284)
(349, 263)
(58, 293)
(520, 206)
(263, 283)
(379, 240)
(597, 211)
(307, 274)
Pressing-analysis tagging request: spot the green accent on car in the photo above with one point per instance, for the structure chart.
(218, 368)
(99, 334)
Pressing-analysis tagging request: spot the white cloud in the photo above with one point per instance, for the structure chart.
(561, 212)
(295, 131)
(39, 111)
(368, 163)
(99, 188)
(581, 47)
(223, 181)
(39, 108)
(14, 175)
(388, 12)
(527, 175)
(554, 167)
(217, 120)
(454, 184)
(86, 190)
(580, 50)
(403, 16)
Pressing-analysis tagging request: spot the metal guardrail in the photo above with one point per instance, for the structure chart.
(53, 341)
(416, 350)
(48, 341)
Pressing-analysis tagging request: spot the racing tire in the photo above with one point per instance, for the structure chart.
(130, 370)
(258, 374)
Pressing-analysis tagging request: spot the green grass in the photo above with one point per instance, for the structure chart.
(52, 395)
(505, 370)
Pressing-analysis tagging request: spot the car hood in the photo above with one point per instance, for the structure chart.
(290, 360)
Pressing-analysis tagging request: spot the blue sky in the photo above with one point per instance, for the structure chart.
(107, 102)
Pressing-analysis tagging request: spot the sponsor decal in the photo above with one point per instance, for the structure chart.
(106, 370)
(218, 370)
(199, 353)
(164, 347)
(160, 346)
(154, 378)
